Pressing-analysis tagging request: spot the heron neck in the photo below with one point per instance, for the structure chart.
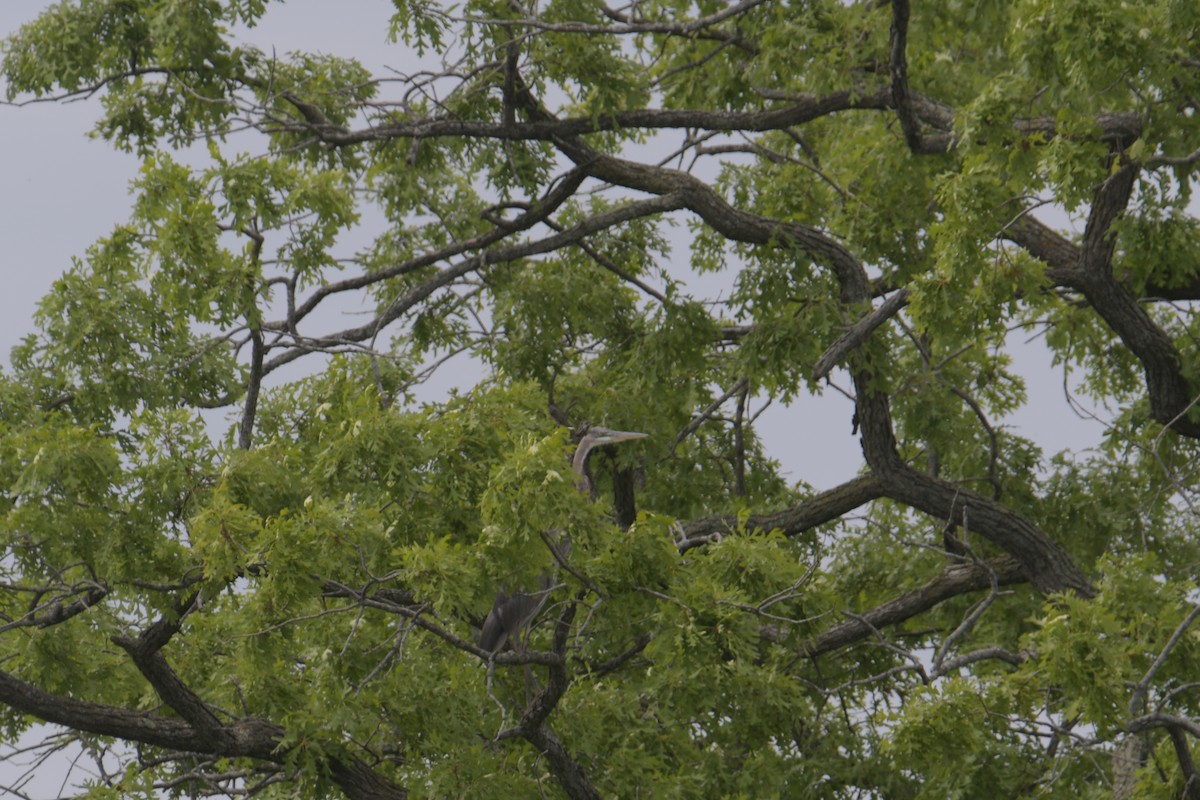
(579, 464)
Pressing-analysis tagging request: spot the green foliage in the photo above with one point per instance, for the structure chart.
(318, 562)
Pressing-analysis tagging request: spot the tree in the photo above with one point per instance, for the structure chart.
(291, 607)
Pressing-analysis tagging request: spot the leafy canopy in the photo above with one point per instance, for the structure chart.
(240, 556)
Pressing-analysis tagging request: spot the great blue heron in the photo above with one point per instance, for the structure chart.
(512, 613)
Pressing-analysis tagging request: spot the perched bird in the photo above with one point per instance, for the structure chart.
(512, 613)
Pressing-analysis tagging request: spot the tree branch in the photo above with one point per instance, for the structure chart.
(245, 738)
(857, 333)
(479, 261)
(250, 737)
(1170, 395)
(954, 580)
(1088, 268)
(901, 98)
(60, 609)
(146, 654)
(246, 428)
(817, 510)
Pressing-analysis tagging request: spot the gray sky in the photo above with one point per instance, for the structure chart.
(60, 191)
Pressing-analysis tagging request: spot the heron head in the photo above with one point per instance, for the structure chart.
(597, 435)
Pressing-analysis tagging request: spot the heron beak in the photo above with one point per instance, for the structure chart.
(622, 436)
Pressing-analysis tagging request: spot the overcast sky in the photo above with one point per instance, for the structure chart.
(60, 191)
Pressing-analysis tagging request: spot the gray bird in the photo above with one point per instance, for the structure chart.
(512, 613)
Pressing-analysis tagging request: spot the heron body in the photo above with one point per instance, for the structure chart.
(512, 613)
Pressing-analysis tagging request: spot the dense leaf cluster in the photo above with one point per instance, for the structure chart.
(285, 601)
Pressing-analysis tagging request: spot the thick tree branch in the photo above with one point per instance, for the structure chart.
(817, 510)
(545, 701)
(1119, 128)
(618, 661)
(954, 580)
(901, 97)
(252, 738)
(1046, 244)
(146, 653)
(801, 109)
(1170, 395)
(1088, 268)
(1062, 256)
(1160, 719)
(253, 384)
(244, 738)
(1045, 563)
(1183, 753)
(1048, 566)
(566, 769)
(857, 333)
(626, 25)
